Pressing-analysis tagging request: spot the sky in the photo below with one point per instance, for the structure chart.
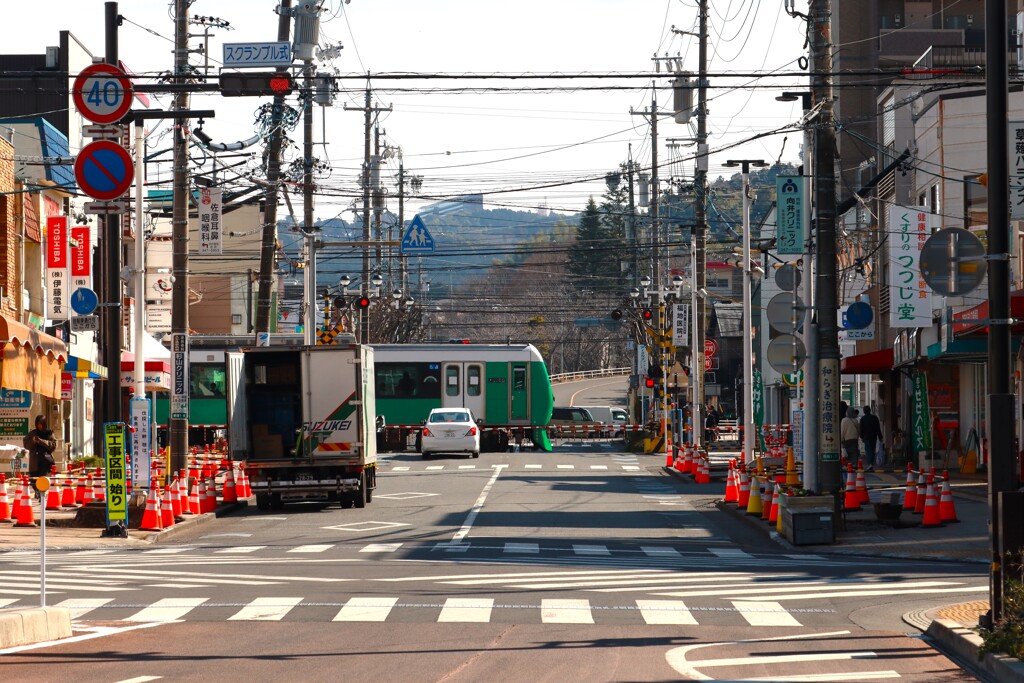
(506, 143)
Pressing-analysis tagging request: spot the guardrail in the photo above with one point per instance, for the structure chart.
(587, 374)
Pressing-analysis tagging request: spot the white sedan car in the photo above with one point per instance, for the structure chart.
(450, 430)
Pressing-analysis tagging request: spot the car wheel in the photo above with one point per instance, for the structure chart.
(426, 456)
(475, 454)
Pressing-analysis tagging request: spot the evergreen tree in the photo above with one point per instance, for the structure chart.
(593, 257)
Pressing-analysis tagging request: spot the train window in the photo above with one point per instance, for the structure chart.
(451, 380)
(408, 380)
(519, 379)
(473, 380)
(209, 380)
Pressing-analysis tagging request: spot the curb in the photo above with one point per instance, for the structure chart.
(195, 520)
(961, 645)
(35, 625)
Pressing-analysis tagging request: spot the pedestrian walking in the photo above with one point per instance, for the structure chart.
(849, 433)
(870, 433)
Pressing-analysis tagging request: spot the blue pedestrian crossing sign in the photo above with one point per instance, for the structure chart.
(417, 239)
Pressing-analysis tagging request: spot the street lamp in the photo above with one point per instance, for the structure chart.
(748, 354)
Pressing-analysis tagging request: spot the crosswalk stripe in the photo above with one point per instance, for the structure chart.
(381, 548)
(565, 611)
(435, 467)
(591, 550)
(599, 467)
(4, 602)
(764, 614)
(167, 609)
(533, 467)
(658, 582)
(531, 548)
(310, 548)
(658, 551)
(867, 592)
(399, 469)
(265, 609)
(466, 610)
(831, 677)
(467, 467)
(630, 468)
(241, 549)
(730, 552)
(366, 609)
(167, 551)
(665, 612)
(796, 590)
(567, 467)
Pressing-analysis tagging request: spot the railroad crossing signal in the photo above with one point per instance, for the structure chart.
(326, 336)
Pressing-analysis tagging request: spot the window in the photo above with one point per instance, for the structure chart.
(451, 380)
(519, 379)
(975, 202)
(209, 380)
(408, 380)
(473, 380)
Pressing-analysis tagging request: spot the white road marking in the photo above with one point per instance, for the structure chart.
(730, 552)
(764, 614)
(141, 679)
(241, 549)
(366, 609)
(467, 525)
(816, 558)
(82, 606)
(9, 601)
(381, 548)
(167, 609)
(657, 551)
(226, 536)
(784, 659)
(562, 611)
(599, 467)
(310, 548)
(630, 468)
(531, 548)
(567, 467)
(467, 467)
(265, 609)
(466, 610)
(665, 612)
(435, 467)
(591, 550)
(851, 676)
(533, 467)
(167, 551)
(860, 592)
(677, 657)
(400, 469)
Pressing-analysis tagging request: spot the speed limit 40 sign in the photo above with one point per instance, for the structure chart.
(103, 93)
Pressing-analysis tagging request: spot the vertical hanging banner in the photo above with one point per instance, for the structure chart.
(828, 407)
(789, 197)
(117, 466)
(210, 214)
(922, 425)
(757, 386)
(1016, 156)
(681, 325)
(910, 298)
(140, 423)
(81, 259)
(57, 268)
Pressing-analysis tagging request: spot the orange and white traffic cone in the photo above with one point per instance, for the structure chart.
(87, 496)
(80, 490)
(16, 504)
(230, 492)
(922, 492)
(99, 493)
(26, 515)
(151, 515)
(200, 497)
(67, 496)
(209, 504)
(773, 514)
(862, 487)
(166, 510)
(175, 498)
(246, 489)
(932, 517)
(910, 497)
(851, 502)
(53, 498)
(670, 459)
(190, 504)
(947, 509)
(5, 506)
(743, 495)
(732, 493)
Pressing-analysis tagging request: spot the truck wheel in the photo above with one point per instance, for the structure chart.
(275, 501)
(262, 501)
(346, 501)
(361, 497)
(371, 485)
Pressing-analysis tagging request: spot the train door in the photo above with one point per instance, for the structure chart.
(464, 387)
(520, 392)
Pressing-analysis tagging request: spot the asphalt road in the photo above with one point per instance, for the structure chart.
(582, 564)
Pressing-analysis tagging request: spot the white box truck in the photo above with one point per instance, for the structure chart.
(310, 427)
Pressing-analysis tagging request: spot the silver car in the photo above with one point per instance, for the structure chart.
(450, 430)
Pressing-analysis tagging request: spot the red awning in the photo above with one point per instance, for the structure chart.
(871, 363)
(965, 322)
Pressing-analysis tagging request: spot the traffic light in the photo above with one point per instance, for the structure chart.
(686, 370)
(648, 382)
(655, 371)
(647, 314)
(363, 302)
(617, 314)
(340, 303)
(259, 83)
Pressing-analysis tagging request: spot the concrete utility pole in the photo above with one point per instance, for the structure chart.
(826, 266)
(700, 229)
(268, 244)
(308, 231)
(178, 428)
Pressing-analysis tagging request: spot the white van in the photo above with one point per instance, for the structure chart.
(609, 415)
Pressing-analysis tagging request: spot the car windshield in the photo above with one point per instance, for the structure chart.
(449, 417)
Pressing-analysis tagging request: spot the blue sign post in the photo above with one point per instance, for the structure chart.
(84, 301)
(417, 239)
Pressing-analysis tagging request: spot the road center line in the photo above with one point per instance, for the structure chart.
(461, 534)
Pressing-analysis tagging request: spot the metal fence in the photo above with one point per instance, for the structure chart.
(586, 374)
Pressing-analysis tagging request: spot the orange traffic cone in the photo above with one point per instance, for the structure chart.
(193, 501)
(151, 516)
(947, 509)
(201, 499)
(743, 496)
(705, 471)
(87, 496)
(5, 506)
(766, 498)
(230, 492)
(732, 494)
(99, 493)
(910, 497)
(209, 504)
(669, 459)
(183, 491)
(921, 494)
(755, 506)
(166, 510)
(67, 496)
(26, 515)
(246, 489)
(53, 498)
(80, 490)
(851, 502)
(175, 498)
(16, 504)
(688, 460)
(862, 487)
(773, 514)
(931, 507)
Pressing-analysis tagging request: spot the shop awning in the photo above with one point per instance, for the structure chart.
(969, 321)
(79, 368)
(31, 360)
(156, 365)
(871, 363)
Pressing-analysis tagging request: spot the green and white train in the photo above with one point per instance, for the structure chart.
(505, 385)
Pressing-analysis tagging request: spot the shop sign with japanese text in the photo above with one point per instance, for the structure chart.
(828, 406)
(57, 268)
(210, 215)
(789, 193)
(909, 296)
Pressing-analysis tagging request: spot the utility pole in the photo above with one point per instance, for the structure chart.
(402, 283)
(268, 244)
(111, 271)
(826, 263)
(308, 231)
(700, 230)
(178, 427)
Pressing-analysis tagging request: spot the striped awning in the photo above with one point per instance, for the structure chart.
(80, 368)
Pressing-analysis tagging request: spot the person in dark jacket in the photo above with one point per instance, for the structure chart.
(40, 445)
(870, 433)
